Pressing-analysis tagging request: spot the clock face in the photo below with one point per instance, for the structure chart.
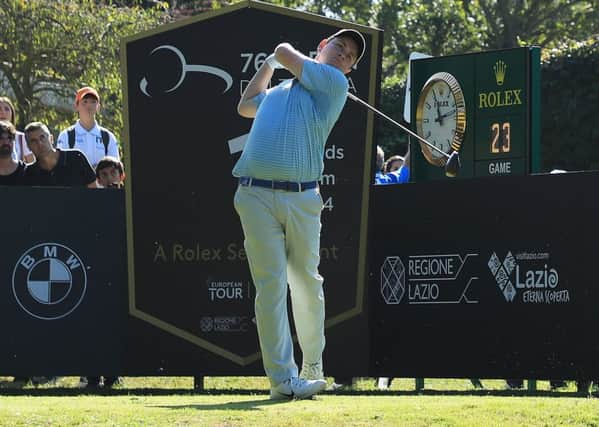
(441, 116)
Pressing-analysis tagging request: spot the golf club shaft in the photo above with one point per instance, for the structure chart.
(415, 135)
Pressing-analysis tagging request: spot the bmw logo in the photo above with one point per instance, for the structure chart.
(49, 281)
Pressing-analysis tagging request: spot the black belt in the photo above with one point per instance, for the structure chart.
(246, 181)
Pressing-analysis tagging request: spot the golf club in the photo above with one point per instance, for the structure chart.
(452, 165)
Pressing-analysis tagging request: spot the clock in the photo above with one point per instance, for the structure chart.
(441, 116)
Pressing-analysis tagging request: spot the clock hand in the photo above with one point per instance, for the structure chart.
(439, 118)
(449, 113)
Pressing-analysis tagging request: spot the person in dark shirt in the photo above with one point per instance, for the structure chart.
(55, 166)
(12, 172)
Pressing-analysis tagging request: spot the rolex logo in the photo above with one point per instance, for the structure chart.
(499, 70)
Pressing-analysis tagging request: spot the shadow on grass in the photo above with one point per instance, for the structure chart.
(68, 391)
(246, 405)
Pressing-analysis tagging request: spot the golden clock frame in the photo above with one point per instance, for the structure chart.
(458, 136)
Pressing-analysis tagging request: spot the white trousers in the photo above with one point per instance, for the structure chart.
(282, 243)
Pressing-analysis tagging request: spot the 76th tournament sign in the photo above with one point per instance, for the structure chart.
(191, 293)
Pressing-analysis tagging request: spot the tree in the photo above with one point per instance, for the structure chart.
(435, 27)
(49, 48)
(546, 23)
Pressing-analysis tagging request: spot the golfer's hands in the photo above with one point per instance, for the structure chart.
(272, 62)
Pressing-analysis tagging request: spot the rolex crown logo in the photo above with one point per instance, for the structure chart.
(499, 69)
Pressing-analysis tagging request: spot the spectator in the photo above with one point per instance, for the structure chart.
(398, 176)
(401, 175)
(110, 173)
(393, 163)
(55, 166)
(379, 175)
(12, 172)
(86, 135)
(20, 152)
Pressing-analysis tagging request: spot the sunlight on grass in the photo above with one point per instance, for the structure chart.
(330, 410)
(243, 401)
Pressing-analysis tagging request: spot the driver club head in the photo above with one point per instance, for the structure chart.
(452, 167)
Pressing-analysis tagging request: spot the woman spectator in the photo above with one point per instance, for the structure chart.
(21, 151)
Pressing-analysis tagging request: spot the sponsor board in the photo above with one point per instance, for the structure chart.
(228, 290)
(427, 279)
(225, 323)
(49, 281)
(528, 277)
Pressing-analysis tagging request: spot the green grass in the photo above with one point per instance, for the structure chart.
(242, 401)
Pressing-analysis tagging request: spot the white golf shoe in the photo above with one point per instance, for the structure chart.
(297, 388)
(312, 371)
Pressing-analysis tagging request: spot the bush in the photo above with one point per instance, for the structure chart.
(570, 107)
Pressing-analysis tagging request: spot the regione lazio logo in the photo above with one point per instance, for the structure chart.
(49, 281)
(180, 61)
(393, 278)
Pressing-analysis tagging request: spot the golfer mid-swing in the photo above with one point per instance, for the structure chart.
(279, 202)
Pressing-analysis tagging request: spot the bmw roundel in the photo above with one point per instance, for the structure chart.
(49, 281)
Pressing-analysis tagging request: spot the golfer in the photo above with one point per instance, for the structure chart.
(279, 202)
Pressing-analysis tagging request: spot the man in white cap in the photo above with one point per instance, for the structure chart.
(279, 202)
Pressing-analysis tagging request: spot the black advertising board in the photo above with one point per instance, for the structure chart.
(63, 307)
(487, 278)
(189, 280)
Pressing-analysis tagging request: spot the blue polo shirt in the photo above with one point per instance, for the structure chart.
(292, 124)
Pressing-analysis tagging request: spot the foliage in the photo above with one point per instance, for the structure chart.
(50, 48)
(570, 102)
(392, 140)
(434, 27)
(444, 27)
(357, 11)
(513, 23)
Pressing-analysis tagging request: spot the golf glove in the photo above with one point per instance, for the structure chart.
(272, 62)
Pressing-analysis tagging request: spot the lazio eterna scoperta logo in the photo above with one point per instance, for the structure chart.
(49, 281)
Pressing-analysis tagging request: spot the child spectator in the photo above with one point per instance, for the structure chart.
(110, 173)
